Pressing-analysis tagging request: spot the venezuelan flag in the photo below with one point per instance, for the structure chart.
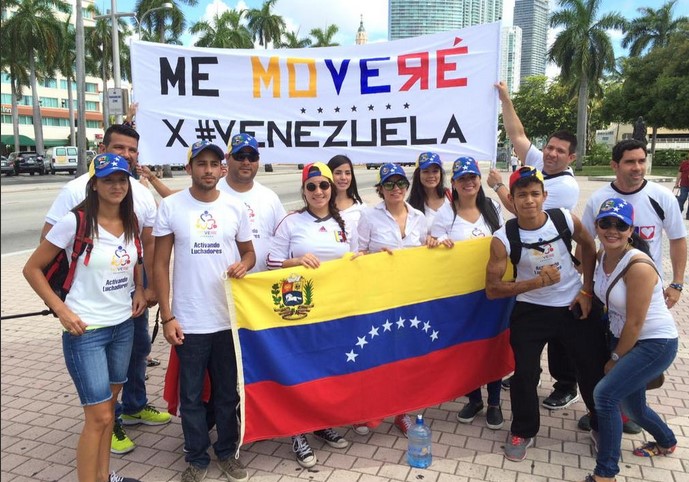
(363, 339)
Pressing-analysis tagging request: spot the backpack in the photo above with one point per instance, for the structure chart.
(516, 245)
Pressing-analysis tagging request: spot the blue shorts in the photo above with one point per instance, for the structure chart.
(97, 359)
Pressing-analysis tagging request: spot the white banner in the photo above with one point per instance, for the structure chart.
(381, 102)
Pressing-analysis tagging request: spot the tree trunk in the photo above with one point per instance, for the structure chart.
(15, 114)
(582, 120)
(37, 124)
(653, 140)
(106, 114)
(70, 99)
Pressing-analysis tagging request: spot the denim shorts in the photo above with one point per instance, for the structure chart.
(97, 359)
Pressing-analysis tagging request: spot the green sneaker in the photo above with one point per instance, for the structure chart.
(148, 416)
(120, 443)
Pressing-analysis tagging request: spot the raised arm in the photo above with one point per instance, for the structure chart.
(513, 126)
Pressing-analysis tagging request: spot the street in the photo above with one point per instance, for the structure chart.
(26, 199)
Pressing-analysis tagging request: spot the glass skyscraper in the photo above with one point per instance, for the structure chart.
(532, 17)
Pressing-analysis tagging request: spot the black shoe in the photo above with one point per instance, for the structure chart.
(505, 384)
(494, 419)
(631, 427)
(559, 400)
(469, 412)
(585, 422)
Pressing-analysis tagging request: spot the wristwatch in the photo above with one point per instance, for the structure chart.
(497, 187)
(614, 356)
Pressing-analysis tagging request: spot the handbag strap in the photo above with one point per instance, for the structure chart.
(623, 272)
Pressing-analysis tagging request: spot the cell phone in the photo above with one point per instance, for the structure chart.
(576, 311)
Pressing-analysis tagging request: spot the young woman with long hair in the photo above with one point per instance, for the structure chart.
(428, 192)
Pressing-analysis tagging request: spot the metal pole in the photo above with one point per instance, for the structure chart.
(115, 51)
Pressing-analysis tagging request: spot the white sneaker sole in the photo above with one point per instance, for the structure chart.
(574, 400)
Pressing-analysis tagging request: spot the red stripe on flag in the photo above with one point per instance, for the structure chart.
(274, 410)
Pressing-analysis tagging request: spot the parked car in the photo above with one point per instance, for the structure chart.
(27, 161)
(376, 165)
(5, 166)
(62, 158)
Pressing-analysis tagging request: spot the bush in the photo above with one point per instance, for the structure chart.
(669, 157)
(599, 155)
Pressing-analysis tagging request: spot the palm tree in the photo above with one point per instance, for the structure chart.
(225, 31)
(653, 28)
(291, 40)
(324, 38)
(66, 64)
(266, 26)
(19, 78)
(164, 25)
(34, 30)
(584, 52)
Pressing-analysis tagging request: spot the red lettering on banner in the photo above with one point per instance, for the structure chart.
(416, 73)
(444, 66)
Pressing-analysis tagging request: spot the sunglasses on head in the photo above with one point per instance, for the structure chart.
(244, 156)
(311, 186)
(610, 222)
(400, 183)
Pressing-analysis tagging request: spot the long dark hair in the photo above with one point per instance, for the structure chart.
(90, 207)
(485, 207)
(332, 207)
(641, 244)
(352, 190)
(417, 193)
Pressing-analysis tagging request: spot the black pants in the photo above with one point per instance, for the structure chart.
(532, 326)
(561, 367)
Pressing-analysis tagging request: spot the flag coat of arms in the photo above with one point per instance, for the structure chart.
(364, 339)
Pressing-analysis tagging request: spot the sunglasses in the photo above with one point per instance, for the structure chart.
(609, 222)
(243, 156)
(324, 185)
(390, 185)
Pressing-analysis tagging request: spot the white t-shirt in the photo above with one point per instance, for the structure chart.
(205, 234)
(533, 260)
(74, 192)
(563, 190)
(431, 213)
(300, 233)
(378, 229)
(265, 212)
(456, 228)
(646, 219)
(351, 216)
(658, 323)
(100, 292)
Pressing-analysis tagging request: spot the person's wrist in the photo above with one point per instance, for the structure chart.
(497, 186)
(676, 286)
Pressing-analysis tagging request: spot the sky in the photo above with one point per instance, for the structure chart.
(304, 15)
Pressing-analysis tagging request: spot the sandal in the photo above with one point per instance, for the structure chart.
(651, 449)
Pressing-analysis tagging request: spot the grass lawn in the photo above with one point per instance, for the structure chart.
(607, 171)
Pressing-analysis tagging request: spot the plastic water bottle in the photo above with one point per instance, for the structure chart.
(419, 448)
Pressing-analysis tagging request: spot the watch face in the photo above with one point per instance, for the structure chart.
(614, 356)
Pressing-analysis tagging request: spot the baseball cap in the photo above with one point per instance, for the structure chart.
(388, 170)
(465, 165)
(316, 169)
(524, 172)
(242, 140)
(428, 159)
(199, 146)
(106, 164)
(617, 208)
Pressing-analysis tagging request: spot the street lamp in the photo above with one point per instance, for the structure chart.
(165, 6)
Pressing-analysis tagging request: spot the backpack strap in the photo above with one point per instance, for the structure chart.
(558, 218)
(81, 244)
(512, 232)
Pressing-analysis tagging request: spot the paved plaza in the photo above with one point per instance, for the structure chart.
(41, 420)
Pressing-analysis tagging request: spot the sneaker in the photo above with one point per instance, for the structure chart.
(595, 439)
(149, 415)
(403, 422)
(515, 448)
(118, 478)
(494, 419)
(301, 447)
(193, 474)
(233, 469)
(469, 412)
(120, 443)
(585, 422)
(360, 429)
(332, 438)
(631, 427)
(505, 384)
(559, 400)
(153, 362)
(651, 449)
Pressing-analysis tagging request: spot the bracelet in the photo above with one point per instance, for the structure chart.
(676, 286)
(497, 187)
(168, 320)
(586, 293)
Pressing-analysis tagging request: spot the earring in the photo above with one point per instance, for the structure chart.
(630, 240)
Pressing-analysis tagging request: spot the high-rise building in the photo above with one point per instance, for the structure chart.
(532, 17)
(361, 36)
(511, 57)
(411, 18)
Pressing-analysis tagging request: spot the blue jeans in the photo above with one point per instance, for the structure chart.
(681, 199)
(134, 397)
(98, 359)
(493, 389)
(626, 384)
(214, 353)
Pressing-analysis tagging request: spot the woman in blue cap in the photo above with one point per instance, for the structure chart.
(471, 215)
(428, 193)
(96, 315)
(644, 339)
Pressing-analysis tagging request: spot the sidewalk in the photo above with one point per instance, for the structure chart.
(41, 420)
